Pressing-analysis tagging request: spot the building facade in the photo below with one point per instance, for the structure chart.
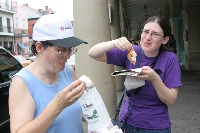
(184, 18)
(21, 39)
(6, 25)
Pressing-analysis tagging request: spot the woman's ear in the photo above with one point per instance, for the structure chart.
(39, 47)
(165, 40)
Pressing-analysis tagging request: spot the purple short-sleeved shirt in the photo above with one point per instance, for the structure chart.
(147, 110)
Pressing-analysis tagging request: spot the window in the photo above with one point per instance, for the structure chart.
(16, 22)
(7, 5)
(24, 23)
(8, 25)
(5, 44)
(1, 26)
(8, 66)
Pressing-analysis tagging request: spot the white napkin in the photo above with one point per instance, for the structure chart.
(114, 129)
(131, 82)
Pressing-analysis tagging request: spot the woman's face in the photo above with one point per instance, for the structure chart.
(53, 62)
(151, 39)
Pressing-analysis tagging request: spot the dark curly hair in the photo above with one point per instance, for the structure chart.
(45, 44)
(164, 24)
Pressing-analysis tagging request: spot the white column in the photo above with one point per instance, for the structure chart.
(115, 33)
(91, 23)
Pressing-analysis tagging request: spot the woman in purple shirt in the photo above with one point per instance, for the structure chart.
(149, 109)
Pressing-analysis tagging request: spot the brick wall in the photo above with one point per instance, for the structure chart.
(30, 26)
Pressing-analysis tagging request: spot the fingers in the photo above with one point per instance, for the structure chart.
(124, 44)
(75, 89)
(75, 84)
(147, 73)
(78, 91)
(146, 68)
(70, 94)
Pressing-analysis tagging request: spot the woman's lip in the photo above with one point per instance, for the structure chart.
(62, 63)
(147, 43)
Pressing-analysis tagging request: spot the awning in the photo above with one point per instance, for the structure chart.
(21, 45)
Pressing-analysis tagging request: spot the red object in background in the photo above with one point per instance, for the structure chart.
(14, 53)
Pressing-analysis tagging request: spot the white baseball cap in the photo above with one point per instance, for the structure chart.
(56, 29)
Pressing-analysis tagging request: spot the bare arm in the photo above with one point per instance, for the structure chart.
(22, 107)
(98, 51)
(166, 95)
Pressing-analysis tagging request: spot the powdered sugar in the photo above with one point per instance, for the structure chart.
(88, 82)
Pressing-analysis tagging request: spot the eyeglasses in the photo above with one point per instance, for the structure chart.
(153, 34)
(64, 53)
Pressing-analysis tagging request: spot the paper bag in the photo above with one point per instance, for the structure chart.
(95, 111)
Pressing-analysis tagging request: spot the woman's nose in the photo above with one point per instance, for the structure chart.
(67, 56)
(149, 36)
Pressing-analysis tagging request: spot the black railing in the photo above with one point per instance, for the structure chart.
(1, 28)
(6, 29)
(8, 7)
(18, 31)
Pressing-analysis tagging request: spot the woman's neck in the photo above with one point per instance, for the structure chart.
(151, 54)
(43, 75)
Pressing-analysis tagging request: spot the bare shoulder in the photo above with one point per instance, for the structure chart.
(19, 90)
(19, 95)
(18, 83)
(21, 104)
(72, 69)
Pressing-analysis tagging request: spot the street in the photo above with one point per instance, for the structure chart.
(185, 113)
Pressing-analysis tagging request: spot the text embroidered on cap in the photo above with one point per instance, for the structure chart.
(62, 28)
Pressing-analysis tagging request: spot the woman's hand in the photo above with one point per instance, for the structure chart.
(123, 44)
(148, 73)
(166, 95)
(70, 94)
(98, 51)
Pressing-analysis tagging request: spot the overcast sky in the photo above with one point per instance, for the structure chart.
(60, 6)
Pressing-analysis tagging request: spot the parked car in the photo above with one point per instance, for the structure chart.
(32, 58)
(29, 54)
(9, 66)
(22, 60)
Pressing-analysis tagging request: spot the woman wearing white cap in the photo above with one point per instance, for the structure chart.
(43, 96)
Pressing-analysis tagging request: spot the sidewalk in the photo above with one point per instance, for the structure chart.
(185, 113)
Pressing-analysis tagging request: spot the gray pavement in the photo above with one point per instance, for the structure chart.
(185, 113)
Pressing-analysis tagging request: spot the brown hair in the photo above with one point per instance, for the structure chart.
(45, 44)
(165, 26)
(132, 40)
